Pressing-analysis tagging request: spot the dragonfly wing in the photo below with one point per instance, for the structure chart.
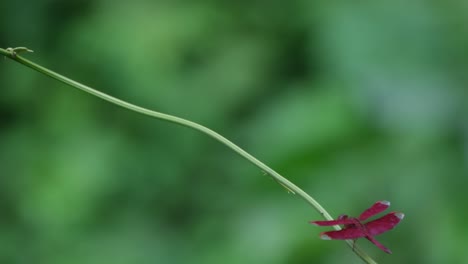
(376, 208)
(347, 233)
(384, 223)
(342, 220)
(377, 243)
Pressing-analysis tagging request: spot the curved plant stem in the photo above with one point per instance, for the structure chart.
(10, 53)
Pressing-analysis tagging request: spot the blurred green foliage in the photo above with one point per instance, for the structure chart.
(353, 102)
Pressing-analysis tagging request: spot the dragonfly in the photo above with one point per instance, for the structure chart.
(354, 228)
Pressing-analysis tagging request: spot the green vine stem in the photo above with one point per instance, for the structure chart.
(12, 53)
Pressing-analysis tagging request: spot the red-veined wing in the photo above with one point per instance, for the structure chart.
(384, 223)
(342, 220)
(347, 233)
(377, 243)
(376, 208)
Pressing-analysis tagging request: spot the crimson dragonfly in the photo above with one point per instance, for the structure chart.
(354, 228)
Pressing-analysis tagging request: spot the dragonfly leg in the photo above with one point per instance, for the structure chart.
(354, 244)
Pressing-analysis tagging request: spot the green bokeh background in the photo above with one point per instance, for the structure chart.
(353, 102)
